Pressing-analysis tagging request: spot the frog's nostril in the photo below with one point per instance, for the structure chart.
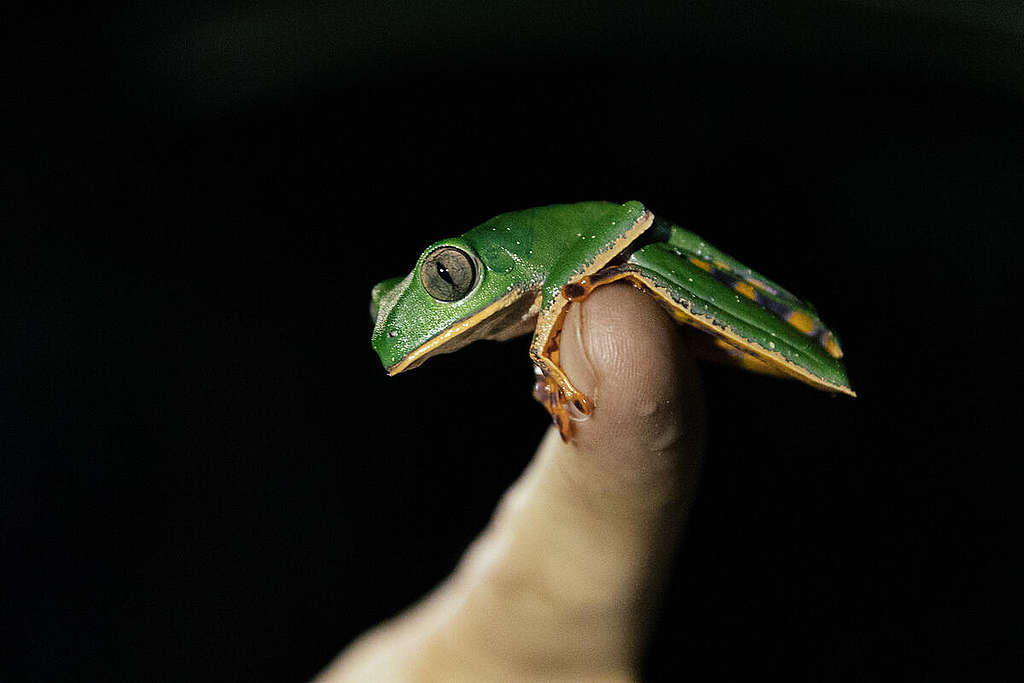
(392, 333)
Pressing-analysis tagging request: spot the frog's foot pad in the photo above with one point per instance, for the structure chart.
(565, 404)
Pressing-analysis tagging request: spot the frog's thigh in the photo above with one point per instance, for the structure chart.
(723, 345)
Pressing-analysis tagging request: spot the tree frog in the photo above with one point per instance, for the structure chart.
(520, 271)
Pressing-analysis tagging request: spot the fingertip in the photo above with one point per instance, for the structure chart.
(624, 351)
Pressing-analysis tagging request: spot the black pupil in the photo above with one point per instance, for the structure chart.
(445, 275)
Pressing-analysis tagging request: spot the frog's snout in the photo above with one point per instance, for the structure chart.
(379, 291)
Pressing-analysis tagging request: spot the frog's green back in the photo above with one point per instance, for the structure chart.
(548, 239)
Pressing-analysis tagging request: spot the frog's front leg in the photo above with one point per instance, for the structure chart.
(582, 268)
(553, 388)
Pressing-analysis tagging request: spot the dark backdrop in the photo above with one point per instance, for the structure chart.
(205, 474)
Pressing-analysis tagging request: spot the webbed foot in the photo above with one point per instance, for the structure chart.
(564, 402)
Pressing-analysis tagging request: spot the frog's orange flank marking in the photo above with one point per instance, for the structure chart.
(703, 265)
(754, 289)
(746, 290)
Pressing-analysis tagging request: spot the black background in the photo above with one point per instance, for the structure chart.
(207, 475)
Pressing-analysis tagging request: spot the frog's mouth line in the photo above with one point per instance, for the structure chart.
(434, 344)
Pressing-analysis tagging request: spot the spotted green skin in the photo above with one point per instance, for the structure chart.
(708, 297)
(547, 247)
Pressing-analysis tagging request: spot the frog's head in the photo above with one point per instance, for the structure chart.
(436, 308)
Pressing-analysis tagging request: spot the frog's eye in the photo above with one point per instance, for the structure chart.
(448, 273)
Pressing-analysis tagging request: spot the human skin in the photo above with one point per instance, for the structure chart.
(563, 582)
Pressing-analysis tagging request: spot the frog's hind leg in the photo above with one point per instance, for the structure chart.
(720, 343)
